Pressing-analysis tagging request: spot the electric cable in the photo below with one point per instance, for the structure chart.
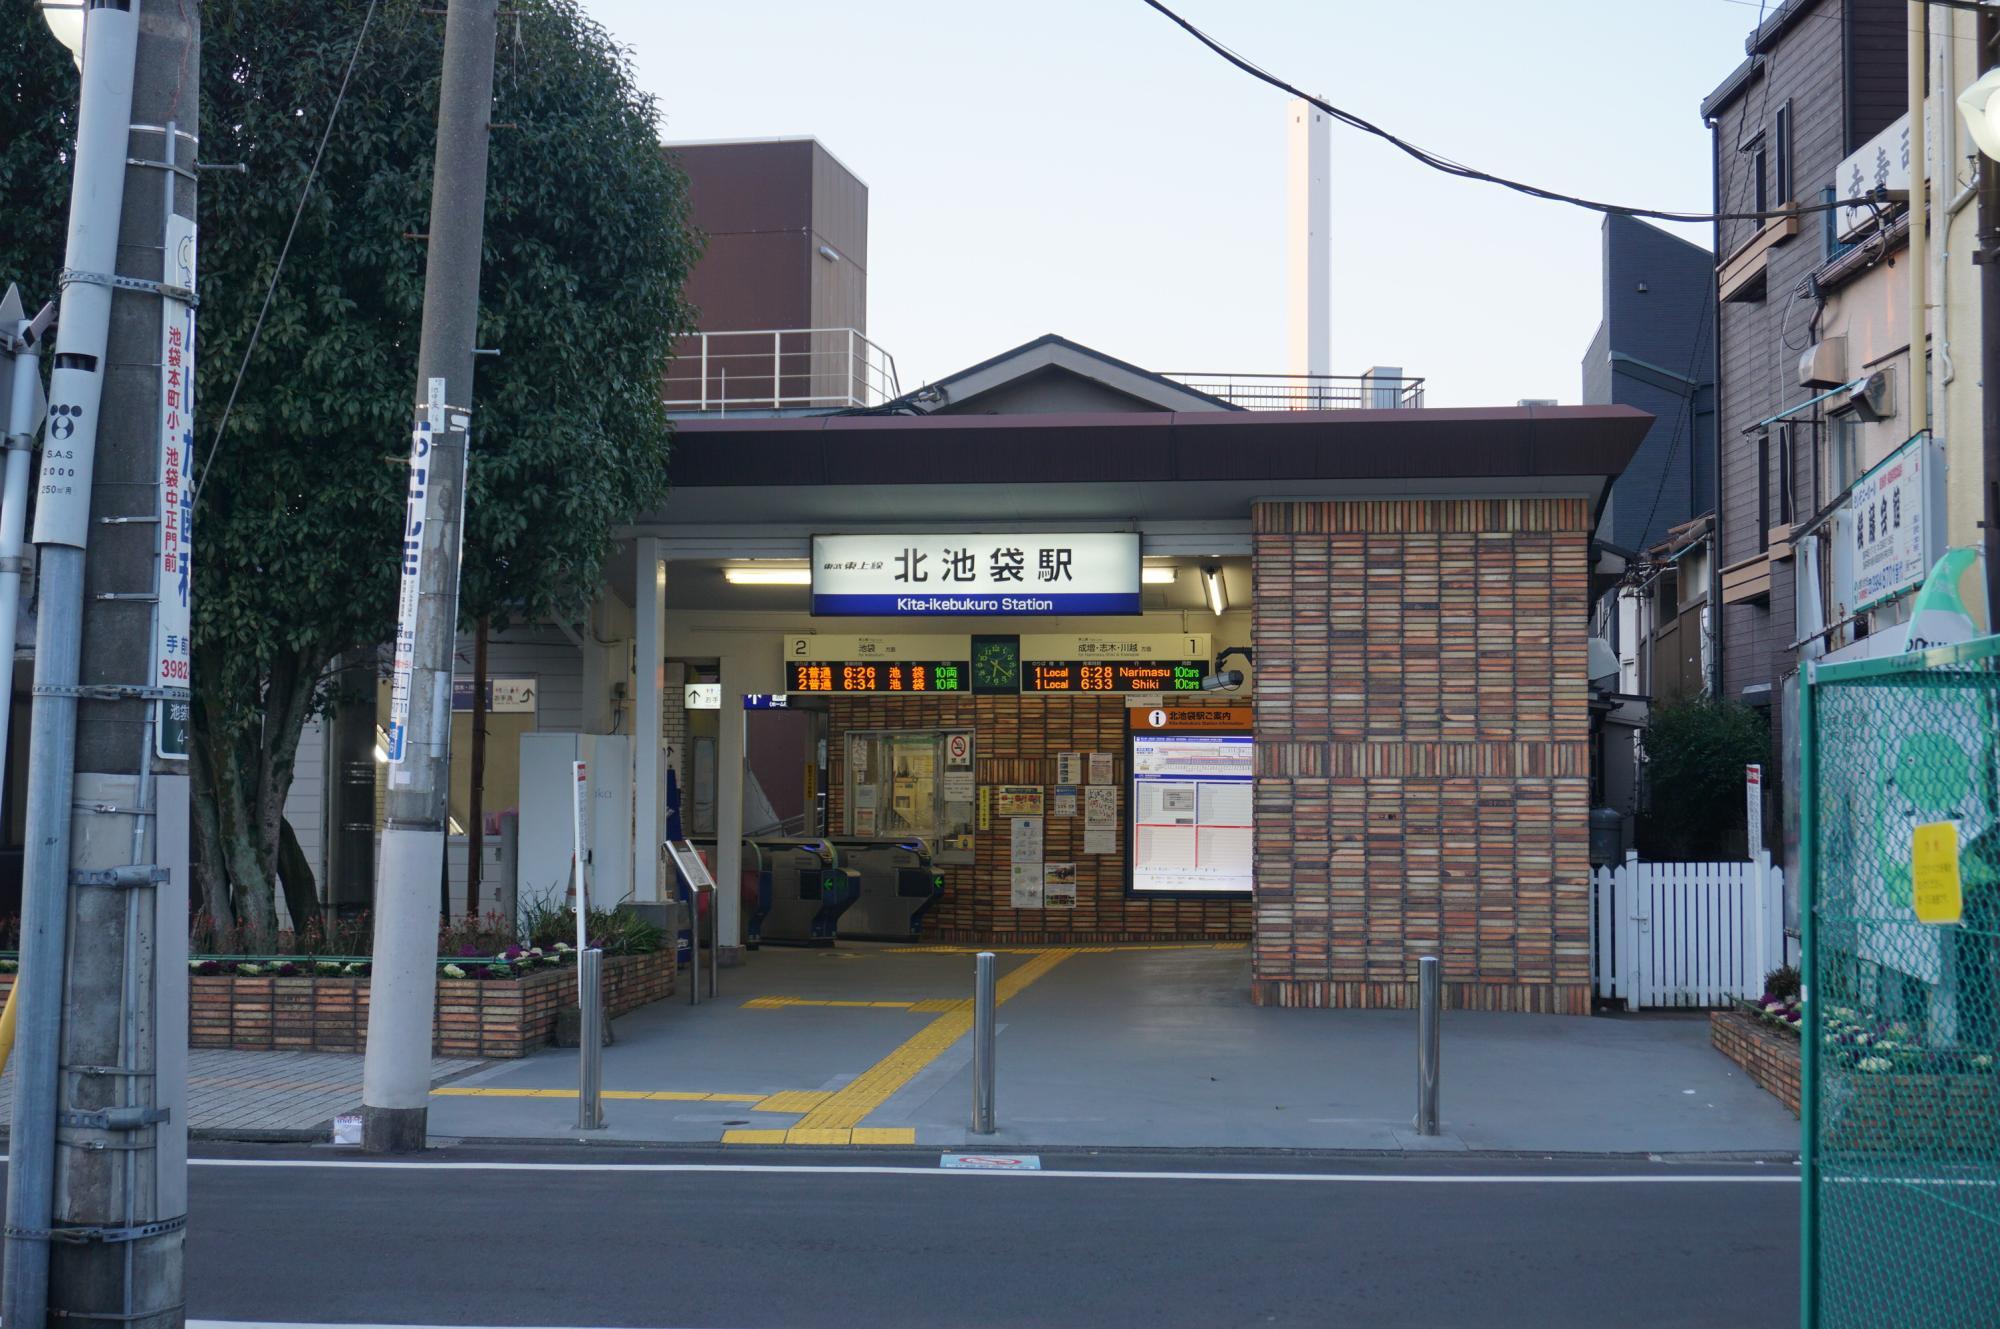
(312, 174)
(1438, 162)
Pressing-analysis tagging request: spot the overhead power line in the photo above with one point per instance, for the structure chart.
(1464, 172)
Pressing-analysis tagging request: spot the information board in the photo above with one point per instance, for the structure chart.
(878, 676)
(1112, 675)
(1189, 811)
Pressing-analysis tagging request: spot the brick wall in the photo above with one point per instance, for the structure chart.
(1422, 749)
(1769, 1056)
(1018, 741)
(474, 1018)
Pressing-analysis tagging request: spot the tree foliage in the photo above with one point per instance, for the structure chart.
(298, 513)
(1696, 749)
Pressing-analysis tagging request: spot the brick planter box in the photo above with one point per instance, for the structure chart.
(475, 1017)
(1768, 1056)
(1905, 1113)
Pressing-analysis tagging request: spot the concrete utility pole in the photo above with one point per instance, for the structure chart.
(396, 1079)
(97, 1194)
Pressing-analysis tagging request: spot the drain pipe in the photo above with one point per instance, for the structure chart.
(1947, 130)
(1917, 67)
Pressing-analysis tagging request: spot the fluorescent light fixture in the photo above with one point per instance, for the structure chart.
(767, 576)
(456, 829)
(381, 757)
(1159, 576)
(1218, 599)
(1980, 106)
(381, 745)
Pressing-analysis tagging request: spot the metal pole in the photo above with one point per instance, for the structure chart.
(396, 1077)
(714, 949)
(93, 1016)
(1809, 995)
(26, 407)
(694, 945)
(1989, 343)
(983, 1004)
(1430, 989)
(590, 1040)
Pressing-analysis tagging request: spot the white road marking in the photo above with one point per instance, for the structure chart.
(1784, 1176)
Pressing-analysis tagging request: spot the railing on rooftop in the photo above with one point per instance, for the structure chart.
(1309, 392)
(779, 369)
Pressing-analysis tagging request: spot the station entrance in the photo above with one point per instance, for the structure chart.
(1065, 779)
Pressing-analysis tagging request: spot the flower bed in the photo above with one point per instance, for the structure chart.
(1768, 1055)
(495, 1014)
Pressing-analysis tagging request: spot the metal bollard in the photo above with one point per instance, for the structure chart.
(1430, 990)
(694, 946)
(983, 1005)
(590, 1041)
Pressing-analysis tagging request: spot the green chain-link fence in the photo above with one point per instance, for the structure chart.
(1901, 1098)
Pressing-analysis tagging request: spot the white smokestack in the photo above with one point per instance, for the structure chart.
(1309, 212)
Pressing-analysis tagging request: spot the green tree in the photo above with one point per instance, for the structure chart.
(38, 86)
(298, 511)
(1696, 749)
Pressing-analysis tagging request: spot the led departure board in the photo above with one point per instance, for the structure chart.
(877, 676)
(1112, 675)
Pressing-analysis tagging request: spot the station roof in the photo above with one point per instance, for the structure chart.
(816, 471)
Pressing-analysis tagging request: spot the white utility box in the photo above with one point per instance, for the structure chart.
(547, 785)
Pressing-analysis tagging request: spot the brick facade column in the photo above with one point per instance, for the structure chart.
(1423, 752)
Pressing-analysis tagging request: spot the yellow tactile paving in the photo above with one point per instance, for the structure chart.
(884, 1135)
(794, 1100)
(781, 1003)
(753, 1137)
(873, 1087)
(936, 1005)
(654, 1095)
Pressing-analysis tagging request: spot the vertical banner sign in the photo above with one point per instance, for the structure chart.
(579, 813)
(416, 512)
(174, 621)
(1753, 792)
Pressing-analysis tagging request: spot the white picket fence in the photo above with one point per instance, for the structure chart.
(1686, 934)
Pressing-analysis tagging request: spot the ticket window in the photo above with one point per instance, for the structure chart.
(912, 783)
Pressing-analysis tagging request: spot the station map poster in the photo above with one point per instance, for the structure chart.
(1190, 805)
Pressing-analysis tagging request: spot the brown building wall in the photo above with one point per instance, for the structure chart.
(1423, 752)
(1018, 741)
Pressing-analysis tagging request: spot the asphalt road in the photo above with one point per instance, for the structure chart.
(592, 1237)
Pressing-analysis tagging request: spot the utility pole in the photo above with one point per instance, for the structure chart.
(396, 1078)
(97, 1180)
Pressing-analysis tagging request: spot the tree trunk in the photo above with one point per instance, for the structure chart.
(475, 822)
(211, 877)
(295, 875)
(241, 778)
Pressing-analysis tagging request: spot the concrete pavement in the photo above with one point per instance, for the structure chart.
(1115, 1047)
(242, 1095)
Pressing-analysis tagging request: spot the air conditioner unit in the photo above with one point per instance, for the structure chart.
(1824, 364)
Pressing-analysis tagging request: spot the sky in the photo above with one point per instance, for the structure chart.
(1084, 167)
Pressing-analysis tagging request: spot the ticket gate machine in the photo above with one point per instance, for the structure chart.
(899, 882)
(810, 889)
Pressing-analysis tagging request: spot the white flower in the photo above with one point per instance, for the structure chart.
(562, 946)
(1982, 1061)
(453, 971)
(1864, 1039)
(1873, 1064)
(249, 970)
